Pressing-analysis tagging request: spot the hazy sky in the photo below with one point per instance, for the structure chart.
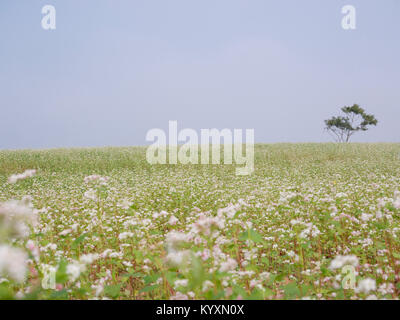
(114, 69)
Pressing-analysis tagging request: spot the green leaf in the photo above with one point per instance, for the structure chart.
(61, 274)
(151, 278)
(396, 255)
(380, 225)
(113, 290)
(198, 274)
(240, 291)
(268, 292)
(171, 277)
(133, 275)
(78, 240)
(149, 288)
(256, 294)
(59, 295)
(280, 277)
(324, 271)
(265, 260)
(250, 235)
(291, 291)
(6, 292)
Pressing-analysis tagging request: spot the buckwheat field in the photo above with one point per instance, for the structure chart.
(313, 221)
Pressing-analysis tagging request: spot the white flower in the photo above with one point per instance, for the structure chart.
(366, 285)
(254, 283)
(127, 263)
(205, 224)
(31, 246)
(204, 255)
(381, 203)
(173, 220)
(365, 217)
(179, 296)
(106, 253)
(396, 203)
(177, 258)
(16, 217)
(207, 285)
(99, 288)
(65, 232)
(116, 255)
(341, 261)
(310, 230)
(229, 211)
(88, 258)
(96, 179)
(228, 265)
(21, 176)
(294, 222)
(174, 239)
(265, 275)
(13, 263)
(74, 270)
(90, 194)
(124, 235)
(181, 283)
(341, 195)
(125, 204)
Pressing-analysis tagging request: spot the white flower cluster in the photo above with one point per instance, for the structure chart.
(205, 225)
(21, 176)
(125, 235)
(181, 283)
(15, 219)
(99, 285)
(341, 261)
(396, 200)
(96, 179)
(75, 268)
(175, 255)
(310, 230)
(366, 285)
(228, 265)
(90, 194)
(285, 197)
(13, 263)
(231, 210)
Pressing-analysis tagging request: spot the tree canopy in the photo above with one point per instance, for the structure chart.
(354, 119)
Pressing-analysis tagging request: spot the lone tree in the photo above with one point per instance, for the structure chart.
(354, 119)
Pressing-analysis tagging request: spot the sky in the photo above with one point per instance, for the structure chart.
(115, 69)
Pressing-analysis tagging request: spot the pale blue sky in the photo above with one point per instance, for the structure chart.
(112, 70)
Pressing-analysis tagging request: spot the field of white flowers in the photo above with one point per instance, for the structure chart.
(108, 225)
